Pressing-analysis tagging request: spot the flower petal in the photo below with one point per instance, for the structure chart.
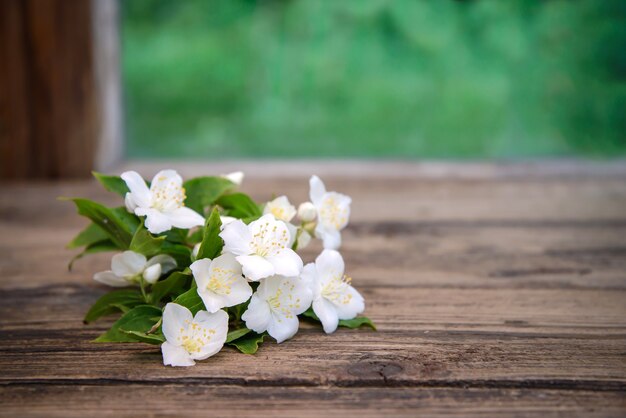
(350, 306)
(227, 261)
(226, 220)
(236, 177)
(176, 319)
(258, 315)
(334, 211)
(317, 190)
(151, 274)
(304, 239)
(216, 326)
(167, 262)
(286, 263)
(237, 238)
(128, 264)
(129, 202)
(240, 291)
(110, 278)
(174, 355)
(185, 218)
(282, 327)
(200, 270)
(212, 301)
(270, 235)
(280, 208)
(156, 222)
(140, 194)
(329, 265)
(309, 278)
(269, 286)
(166, 178)
(227, 269)
(293, 233)
(327, 314)
(331, 237)
(294, 296)
(256, 267)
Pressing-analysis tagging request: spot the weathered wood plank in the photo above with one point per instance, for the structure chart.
(170, 400)
(395, 308)
(398, 359)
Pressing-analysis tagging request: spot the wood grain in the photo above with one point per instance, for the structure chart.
(200, 400)
(495, 295)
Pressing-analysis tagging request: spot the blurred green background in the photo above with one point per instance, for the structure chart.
(374, 78)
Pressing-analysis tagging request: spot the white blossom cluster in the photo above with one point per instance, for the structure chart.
(258, 267)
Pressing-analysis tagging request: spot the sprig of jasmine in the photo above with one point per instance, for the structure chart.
(193, 285)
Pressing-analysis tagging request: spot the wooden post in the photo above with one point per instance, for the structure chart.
(50, 104)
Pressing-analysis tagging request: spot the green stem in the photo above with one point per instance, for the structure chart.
(142, 286)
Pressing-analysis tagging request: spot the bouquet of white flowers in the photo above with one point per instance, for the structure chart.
(192, 284)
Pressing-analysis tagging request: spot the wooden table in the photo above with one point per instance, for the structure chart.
(497, 290)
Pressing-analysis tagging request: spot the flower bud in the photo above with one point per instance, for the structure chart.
(307, 212)
(152, 273)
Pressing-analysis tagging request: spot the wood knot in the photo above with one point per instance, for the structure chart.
(374, 369)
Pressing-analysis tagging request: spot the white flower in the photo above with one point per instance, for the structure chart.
(281, 209)
(162, 204)
(275, 307)
(129, 266)
(235, 177)
(262, 248)
(225, 220)
(333, 212)
(189, 338)
(333, 296)
(220, 283)
(307, 212)
(285, 211)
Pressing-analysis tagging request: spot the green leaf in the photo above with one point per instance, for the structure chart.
(98, 247)
(204, 191)
(212, 243)
(156, 339)
(112, 183)
(191, 300)
(239, 205)
(237, 333)
(144, 243)
(249, 343)
(181, 253)
(176, 235)
(90, 235)
(359, 321)
(113, 224)
(140, 319)
(348, 323)
(131, 220)
(174, 284)
(112, 302)
(123, 308)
